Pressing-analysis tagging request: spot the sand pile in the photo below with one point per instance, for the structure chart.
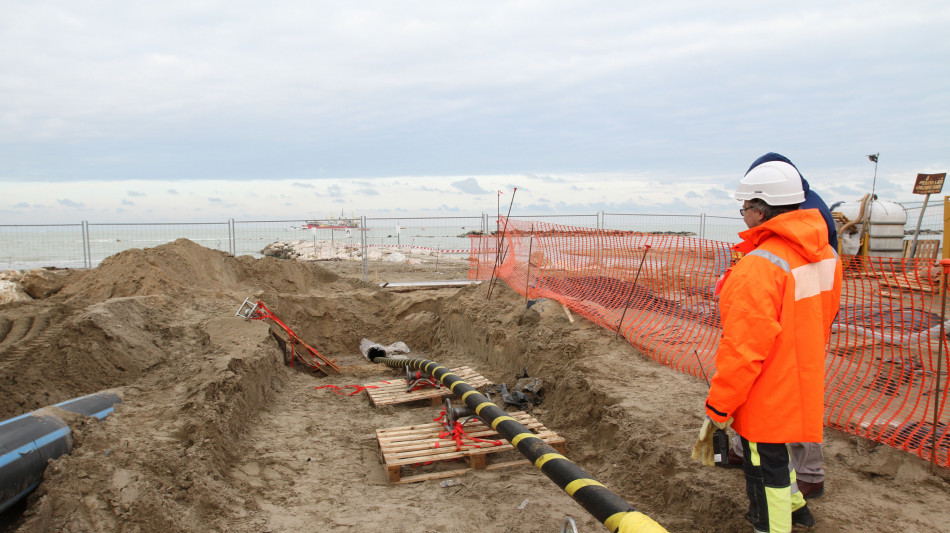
(216, 434)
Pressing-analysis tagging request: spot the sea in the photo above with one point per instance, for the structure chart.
(85, 245)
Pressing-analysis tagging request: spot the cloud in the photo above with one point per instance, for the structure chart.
(469, 186)
(172, 191)
(21, 205)
(302, 185)
(128, 202)
(136, 193)
(177, 92)
(69, 203)
(334, 191)
(547, 178)
(715, 194)
(215, 200)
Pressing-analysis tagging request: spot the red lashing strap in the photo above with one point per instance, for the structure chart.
(263, 312)
(336, 389)
(458, 435)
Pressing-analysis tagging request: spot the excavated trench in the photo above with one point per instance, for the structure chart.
(215, 433)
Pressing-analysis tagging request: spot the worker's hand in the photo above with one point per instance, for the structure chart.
(704, 450)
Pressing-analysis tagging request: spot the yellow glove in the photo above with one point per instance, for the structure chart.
(704, 449)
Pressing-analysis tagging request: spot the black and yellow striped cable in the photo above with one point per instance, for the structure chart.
(611, 510)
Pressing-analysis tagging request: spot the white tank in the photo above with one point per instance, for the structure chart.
(886, 235)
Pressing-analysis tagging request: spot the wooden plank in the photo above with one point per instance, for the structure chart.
(420, 445)
(393, 391)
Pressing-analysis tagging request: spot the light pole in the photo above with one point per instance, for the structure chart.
(873, 158)
(867, 215)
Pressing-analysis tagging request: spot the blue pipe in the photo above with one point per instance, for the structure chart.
(29, 441)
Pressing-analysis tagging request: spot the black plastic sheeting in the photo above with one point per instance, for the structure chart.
(886, 318)
(612, 293)
(526, 393)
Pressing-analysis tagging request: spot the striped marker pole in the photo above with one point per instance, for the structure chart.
(611, 510)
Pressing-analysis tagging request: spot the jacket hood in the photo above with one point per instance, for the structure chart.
(804, 230)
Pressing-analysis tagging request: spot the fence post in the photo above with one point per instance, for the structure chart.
(946, 226)
(86, 250)
(363, 251)
(231, 237)
(702, 225)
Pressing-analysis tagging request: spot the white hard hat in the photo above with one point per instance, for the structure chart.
(775, 182)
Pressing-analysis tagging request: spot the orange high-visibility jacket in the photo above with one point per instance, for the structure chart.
(777, 305)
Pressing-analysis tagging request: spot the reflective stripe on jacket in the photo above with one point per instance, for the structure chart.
(777, 305)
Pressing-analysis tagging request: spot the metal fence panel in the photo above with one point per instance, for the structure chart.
(686, 225)
(24, 247)
(576, 221)
(86, 245)
(439, 234)
(932, 221)
(252, 236)
(723, 229)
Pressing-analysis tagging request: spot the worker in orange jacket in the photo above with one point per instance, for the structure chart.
(805, 457)
(777, 305)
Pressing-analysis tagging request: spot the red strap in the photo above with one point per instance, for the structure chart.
(262, 312)
(459, 436)
(336, 389)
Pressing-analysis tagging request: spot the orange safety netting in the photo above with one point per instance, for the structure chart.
(885, 369)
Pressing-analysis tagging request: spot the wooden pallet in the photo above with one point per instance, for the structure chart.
(926, 248)
(908, 282)
(393, 391)
(413, 446)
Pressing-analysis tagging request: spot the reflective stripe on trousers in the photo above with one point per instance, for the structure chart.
(771, 486)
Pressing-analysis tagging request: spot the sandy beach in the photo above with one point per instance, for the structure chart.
(216, 433)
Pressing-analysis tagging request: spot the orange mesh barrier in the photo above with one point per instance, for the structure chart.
(883, 377)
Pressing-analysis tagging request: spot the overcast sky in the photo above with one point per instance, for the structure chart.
(206, 110)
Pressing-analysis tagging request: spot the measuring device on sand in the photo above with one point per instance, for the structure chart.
(720, 437)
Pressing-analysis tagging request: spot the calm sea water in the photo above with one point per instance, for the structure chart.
(66, 246)
(76, 246)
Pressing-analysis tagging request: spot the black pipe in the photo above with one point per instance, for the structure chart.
(611, 510)
(28, 441)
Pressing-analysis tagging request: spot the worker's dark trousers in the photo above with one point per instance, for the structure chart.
(768, 482)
